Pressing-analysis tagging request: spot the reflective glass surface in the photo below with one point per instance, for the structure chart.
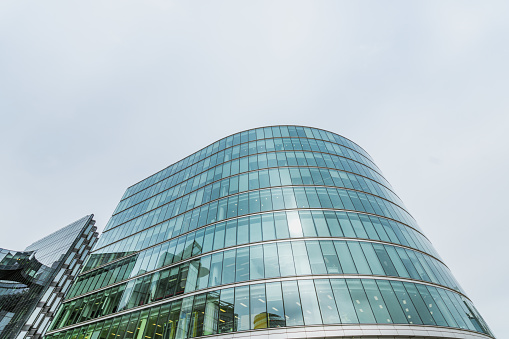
(272, 227)
(32, 282)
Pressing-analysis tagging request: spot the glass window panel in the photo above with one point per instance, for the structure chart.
(275, 310)
(268, 227)
(294, 224)
(243, 207)
(360, 301)
(254, 202)
(185, 317)
(465, 312)
(231, 233)
(335, 199)
(344, 301)
(451, 322)
(376, 301)
(323, 196)
(258, 304)
(310, 308)
(190, 280)
(450, 305)
(285, 255)
(113, 329)
(255, 229)
(431, 305)
(345, 257)
(203, 272)
(253, 179)
(243, 231)
(346, 226)
(346, 201)
(406, 303)
(231, 207)
(312, 197)
(188, 247)
(142, 324)
(359, 258)
(274, 175)
(282, 231)
(330, 257)
(357, 226)
(271, 262)
(208, 241)
(228, 267)
(379, 229)
(316, 259)
(332, 223)
(320, 224)
(295, 174)
(391, 301)
(307, 223)
(284, 173)
(265, 200)
(256, 262)
(372, 258)
(219, 236)
(216, 267)
(368, 226)
(422, 309)
(409, 265)
(106, 328)
(242, 308)
(227, 317)
(242, 264)
(244, 166)
(181, 282)
(172, 282)
(301, 259)
(197, 316)
(211, 313)
(293, 309)
(300, 197)
(151, 323)
(328, 307)
(398, 264)
(385, 261)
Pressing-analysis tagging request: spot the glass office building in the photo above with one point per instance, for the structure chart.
(284, 232)
(34, 281)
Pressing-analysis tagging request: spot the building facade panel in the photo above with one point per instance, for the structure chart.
(287, 228)
(34, 281)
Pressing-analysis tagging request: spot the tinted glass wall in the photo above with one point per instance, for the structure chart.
(273, 227)
(33, 282)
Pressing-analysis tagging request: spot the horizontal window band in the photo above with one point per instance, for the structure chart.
(253, 282)
(274, 167)
(246, 142)
(246, 216)
(262, 190)
(253, 171)
(244, 246)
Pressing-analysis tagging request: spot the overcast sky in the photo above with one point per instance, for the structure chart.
(95, 96)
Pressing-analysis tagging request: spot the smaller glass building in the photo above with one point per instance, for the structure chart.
(34, 281)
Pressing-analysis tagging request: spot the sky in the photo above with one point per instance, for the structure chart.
(95, 96)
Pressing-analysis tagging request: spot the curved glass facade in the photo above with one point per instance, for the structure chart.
(277, 228)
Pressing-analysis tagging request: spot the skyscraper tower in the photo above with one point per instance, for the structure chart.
(284, 232)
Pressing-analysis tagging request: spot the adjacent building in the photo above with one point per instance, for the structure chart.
(284, 232)
(34, 281)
